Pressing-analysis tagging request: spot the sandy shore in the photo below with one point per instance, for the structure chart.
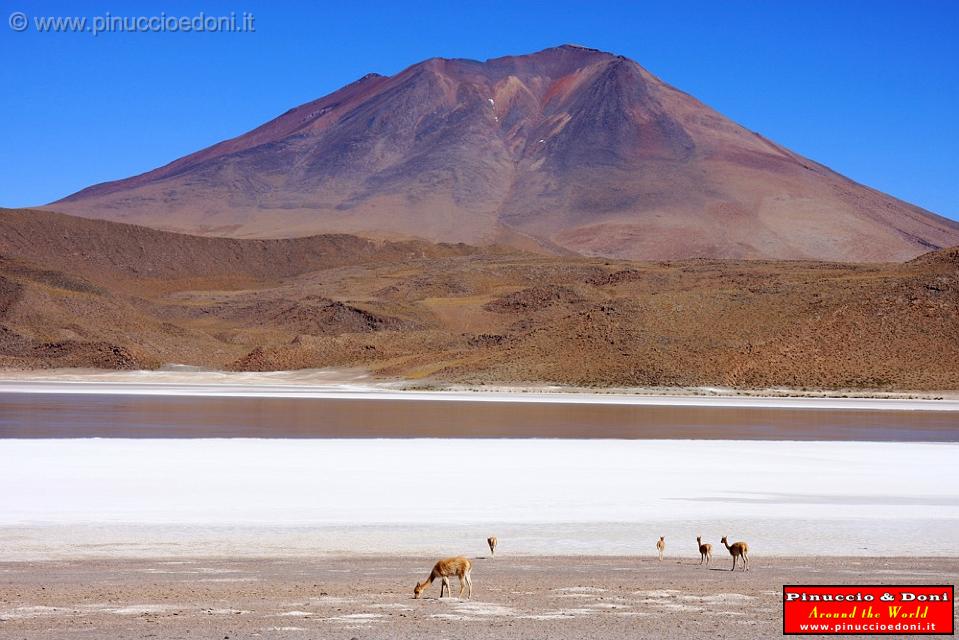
(527, 396)
(353, 383)
(370, 597)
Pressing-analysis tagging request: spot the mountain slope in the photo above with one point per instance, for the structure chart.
(566, 150)
(91, 293)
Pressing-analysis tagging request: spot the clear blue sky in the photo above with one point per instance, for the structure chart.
(870, 88)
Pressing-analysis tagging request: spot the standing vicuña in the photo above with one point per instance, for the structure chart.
(737, 549)
(661, 546)
(705, 550)
(491, 541)
(458, 566)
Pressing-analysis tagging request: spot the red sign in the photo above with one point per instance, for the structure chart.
(903, 609)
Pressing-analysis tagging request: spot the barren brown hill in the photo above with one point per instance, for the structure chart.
(457, 313)
(565, 150)
(138, 255)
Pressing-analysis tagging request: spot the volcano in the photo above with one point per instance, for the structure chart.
(566, 151)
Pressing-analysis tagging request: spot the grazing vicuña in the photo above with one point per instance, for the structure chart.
(458, 566)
